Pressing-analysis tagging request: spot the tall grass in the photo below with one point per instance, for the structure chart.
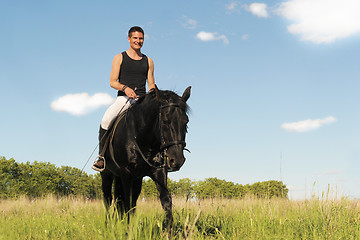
(249, 218)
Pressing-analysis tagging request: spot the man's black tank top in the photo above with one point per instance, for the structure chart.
(133, 73)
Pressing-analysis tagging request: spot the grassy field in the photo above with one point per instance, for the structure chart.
(249, 218)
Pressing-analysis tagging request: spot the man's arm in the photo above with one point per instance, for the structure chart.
(150, 77)
(114, 76)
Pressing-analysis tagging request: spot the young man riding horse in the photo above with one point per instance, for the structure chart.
(129, 73)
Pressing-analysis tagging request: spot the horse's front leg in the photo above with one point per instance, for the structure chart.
(136, 190)
(160, 179)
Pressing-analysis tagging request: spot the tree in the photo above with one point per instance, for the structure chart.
(148, 189)
(184, 188)
(269, 189)
(39, 179)
(9, 178)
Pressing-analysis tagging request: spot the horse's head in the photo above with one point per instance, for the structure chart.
(173, 127)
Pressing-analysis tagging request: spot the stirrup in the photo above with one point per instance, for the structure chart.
(98, 158)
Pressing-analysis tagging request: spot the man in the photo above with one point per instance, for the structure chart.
(129, 72)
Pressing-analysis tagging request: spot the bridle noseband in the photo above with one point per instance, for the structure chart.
(164, 144)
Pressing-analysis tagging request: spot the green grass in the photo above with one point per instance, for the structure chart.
(248, 218)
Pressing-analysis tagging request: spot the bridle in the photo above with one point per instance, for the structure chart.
(164, 144)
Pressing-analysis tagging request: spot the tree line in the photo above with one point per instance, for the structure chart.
(214, 188)
(39, 179)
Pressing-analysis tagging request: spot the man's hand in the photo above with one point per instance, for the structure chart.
(130, 93)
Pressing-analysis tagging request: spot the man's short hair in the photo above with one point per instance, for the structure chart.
(135, 29)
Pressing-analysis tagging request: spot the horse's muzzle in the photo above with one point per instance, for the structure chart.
(175, 165)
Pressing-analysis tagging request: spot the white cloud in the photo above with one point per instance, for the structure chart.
(245, 37)
(307, 125)
(231, 6)
(189, 23)
(207, 36)
(81, 103)
(322, 21)
(258, 9)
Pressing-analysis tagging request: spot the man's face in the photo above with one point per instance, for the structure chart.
(136, 40)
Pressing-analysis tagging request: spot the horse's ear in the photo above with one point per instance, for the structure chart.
(186, 94)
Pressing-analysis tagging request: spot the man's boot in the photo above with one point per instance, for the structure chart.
(99, 163)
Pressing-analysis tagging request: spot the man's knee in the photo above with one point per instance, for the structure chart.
(105, 123)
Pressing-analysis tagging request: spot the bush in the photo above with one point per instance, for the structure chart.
(39, 179)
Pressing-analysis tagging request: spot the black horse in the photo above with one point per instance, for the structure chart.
(148, 141)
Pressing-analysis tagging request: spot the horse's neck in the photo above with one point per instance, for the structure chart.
(144, 117)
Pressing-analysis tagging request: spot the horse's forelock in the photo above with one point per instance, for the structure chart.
(164, 97)
(172, 97)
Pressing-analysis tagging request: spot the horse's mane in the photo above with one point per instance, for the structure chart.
(162, 97)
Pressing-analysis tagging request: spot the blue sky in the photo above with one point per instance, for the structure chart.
(275, 84)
